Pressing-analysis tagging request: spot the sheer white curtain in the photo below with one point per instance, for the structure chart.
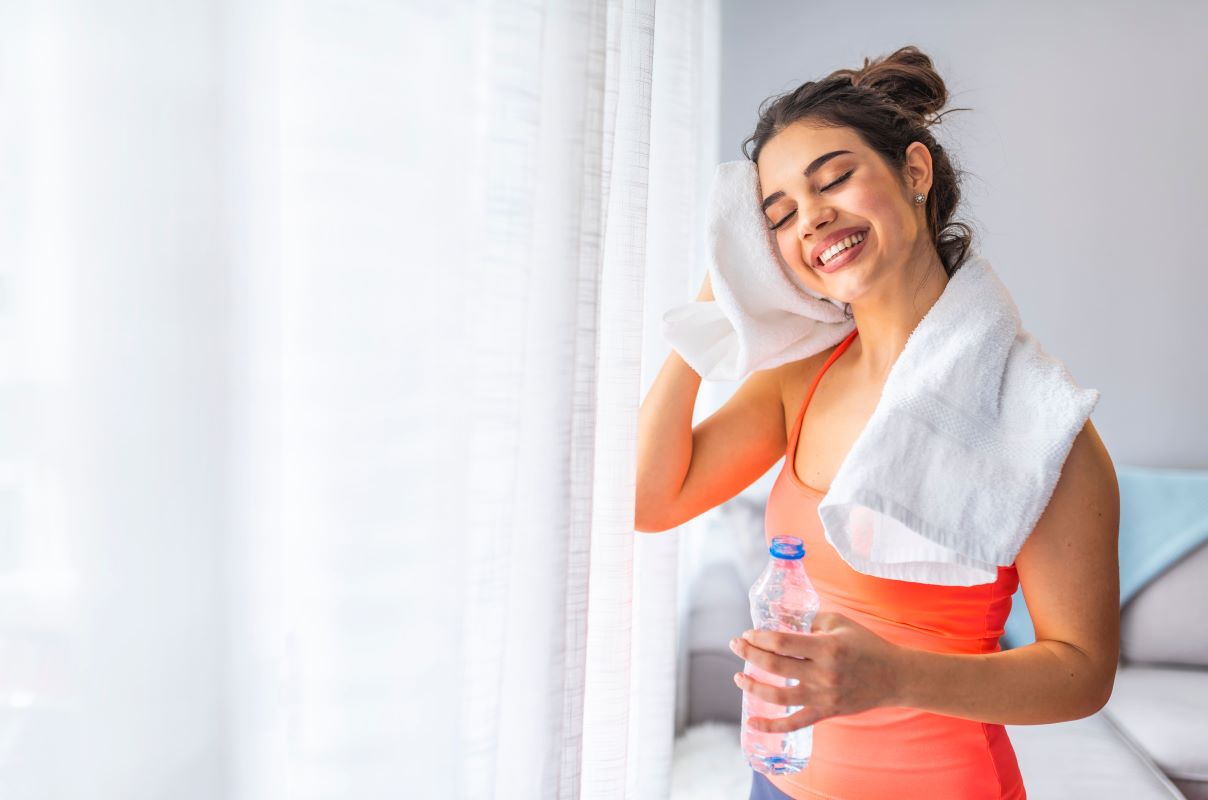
(323, 330)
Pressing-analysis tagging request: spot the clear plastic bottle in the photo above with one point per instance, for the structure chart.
(782, 599)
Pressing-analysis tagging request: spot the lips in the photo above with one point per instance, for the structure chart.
(821, 247)
(844, 258)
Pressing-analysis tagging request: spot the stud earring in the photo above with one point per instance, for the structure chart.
(920, 198)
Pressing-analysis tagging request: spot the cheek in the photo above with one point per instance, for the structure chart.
(790, 251)
(786, 244)
(886, 214)
(873, 205)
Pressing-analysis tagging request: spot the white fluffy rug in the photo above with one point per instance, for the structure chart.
(708, 764)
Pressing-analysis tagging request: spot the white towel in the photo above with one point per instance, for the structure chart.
(763, 315)
(965, 445)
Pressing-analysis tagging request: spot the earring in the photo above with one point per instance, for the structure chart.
(920, 198)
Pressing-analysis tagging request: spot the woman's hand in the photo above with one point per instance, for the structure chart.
(841, 667)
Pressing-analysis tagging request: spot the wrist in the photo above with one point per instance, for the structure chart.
(905, 670)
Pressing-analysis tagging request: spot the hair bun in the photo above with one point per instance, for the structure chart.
(905, 77)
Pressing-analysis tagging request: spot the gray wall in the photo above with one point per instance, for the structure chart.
(1089, 174)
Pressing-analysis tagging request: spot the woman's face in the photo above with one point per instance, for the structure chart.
(852, 192)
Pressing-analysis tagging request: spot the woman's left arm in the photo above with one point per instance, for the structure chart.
(1070, 573)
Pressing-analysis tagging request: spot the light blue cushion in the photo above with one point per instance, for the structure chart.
(1163, 517)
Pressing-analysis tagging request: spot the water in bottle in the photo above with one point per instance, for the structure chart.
(782, 599)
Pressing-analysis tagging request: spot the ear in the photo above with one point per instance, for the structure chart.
(918, 168)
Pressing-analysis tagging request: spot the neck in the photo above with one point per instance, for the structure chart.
(887, 316)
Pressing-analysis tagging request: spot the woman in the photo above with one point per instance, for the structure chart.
(904, 682)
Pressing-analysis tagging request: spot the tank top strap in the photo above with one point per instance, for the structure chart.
(814, 385)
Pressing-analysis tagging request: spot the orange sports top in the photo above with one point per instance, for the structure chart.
(895, 752)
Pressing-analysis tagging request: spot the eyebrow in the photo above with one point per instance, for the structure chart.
(814, 166)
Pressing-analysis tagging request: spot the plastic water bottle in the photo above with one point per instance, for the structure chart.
(782, 599)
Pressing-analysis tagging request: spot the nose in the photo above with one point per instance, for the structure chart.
(812, 219)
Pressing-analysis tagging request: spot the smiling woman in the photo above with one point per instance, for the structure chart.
(903, 678)
(867, 221)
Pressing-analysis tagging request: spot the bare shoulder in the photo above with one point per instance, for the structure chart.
(1085, 501)
(1088, 477)
(794, 377)
(805, 367)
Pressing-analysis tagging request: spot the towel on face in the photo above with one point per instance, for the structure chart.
(763, 316)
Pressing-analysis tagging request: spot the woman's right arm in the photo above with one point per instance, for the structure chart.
(682, 472)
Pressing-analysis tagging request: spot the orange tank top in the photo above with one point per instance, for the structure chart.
(895, 752)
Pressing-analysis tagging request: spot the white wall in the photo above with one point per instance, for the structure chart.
(1089, 174)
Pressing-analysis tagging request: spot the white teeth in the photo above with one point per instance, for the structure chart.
(839, 247)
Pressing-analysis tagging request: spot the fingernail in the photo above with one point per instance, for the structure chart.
(734, 645)
(747, 635)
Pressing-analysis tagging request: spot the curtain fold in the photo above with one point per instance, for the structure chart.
(323, 331)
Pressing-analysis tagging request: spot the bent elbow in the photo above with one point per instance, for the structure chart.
(652, 515)
(1106, 694)
(649, 526)
(1102, 696)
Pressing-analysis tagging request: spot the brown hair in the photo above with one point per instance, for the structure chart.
(889, 102)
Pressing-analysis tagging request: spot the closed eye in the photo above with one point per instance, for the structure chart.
(836, 182)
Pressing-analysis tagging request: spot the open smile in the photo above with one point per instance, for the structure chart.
(844, 258)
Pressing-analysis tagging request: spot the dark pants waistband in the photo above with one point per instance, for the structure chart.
(764, 789)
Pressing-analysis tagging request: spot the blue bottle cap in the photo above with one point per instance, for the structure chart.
(787, 547)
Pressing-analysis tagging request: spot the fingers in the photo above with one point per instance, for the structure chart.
(787, 666)
(780, 695)
(799, 645)
(802, 719)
